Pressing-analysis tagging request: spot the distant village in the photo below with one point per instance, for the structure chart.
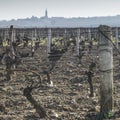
(60, 22)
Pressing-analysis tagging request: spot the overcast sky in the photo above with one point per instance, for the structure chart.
(13, 9)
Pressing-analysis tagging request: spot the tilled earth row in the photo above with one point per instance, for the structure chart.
(68, 97)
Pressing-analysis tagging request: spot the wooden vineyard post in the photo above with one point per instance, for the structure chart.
(6, 35)
(65, 38)
(89, 34)
(35, 34)
(106, 70)
(12, 47)
(77, 41)
(12, 39)
(33, 43)
(49, 41)
(116, 37)
(10, 54)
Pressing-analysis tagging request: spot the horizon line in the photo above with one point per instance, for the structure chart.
(59, 17)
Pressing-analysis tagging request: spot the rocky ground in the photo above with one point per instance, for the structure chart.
(68, 97)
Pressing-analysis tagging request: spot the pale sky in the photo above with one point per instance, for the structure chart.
(13, 9)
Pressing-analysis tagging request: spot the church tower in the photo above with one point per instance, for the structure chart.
(46, 14)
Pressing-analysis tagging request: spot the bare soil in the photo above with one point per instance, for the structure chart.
(67, 99)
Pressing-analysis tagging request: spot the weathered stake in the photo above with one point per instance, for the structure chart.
(89, 34)
(65, 38)
(49, 41)
(12, 39)
(116, 37)
(106, 71)
(77, 41)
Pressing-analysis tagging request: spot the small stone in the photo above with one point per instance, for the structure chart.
(54, 114)
(51, 84)
(97, 108)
